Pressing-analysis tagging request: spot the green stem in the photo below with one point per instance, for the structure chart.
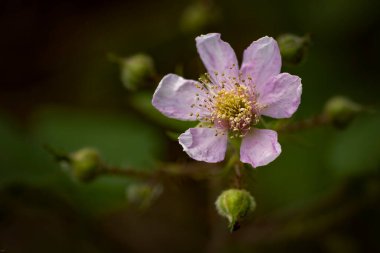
(106, 170)
(238, 177)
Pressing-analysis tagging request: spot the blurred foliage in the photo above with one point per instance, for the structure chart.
(342, 111)
(121, 141)
(357, 150)
(198, 16)
(143, 195)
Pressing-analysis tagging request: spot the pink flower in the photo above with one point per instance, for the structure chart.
(229, 101)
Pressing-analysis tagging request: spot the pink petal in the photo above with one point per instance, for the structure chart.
(174, 97)
(281, 96)
(217, 55)
(261, 61)
(201, 144)
(259, 147)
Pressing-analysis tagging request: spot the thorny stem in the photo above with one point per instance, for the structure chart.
(197, 172)
(171, 169)
(127, 172)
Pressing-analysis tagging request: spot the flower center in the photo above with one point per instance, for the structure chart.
(229, 104)
(234, 109)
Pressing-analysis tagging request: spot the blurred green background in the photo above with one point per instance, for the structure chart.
(60, 88)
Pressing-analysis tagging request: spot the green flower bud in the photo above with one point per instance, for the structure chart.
(293, 48)
(196, 17)
(235, 204)
(85, 164)
(143, 195)
(136, 70)
(341, 111)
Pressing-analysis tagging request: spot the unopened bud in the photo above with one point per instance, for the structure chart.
(197, 16)
(341, 111)
(235, 204)
(143, 195)
(293, 48)
(85, 164)
(136, 70)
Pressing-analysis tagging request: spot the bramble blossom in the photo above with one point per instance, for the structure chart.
(229, 101)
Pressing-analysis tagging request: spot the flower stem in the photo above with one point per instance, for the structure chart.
(128, 172)
(238, 177)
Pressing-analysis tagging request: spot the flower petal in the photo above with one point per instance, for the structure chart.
(281, 96)
(261, 60)
(259, 147)
(217, 55)
(174, 97)
(201, 144)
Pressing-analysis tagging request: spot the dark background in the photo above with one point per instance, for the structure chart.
(58, 87)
